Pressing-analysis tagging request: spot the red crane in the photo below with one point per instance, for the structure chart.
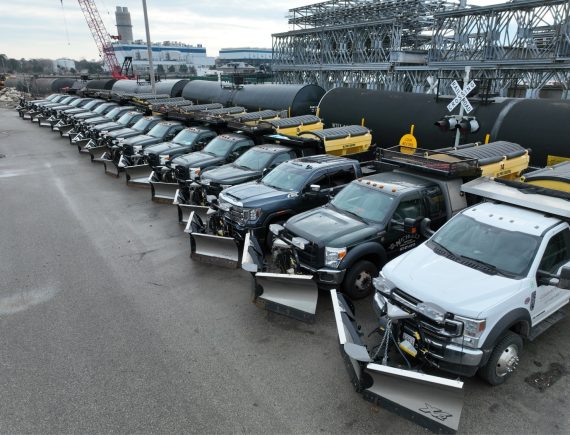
(102, 38)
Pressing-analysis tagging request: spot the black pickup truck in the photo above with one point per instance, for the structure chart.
(292, 187)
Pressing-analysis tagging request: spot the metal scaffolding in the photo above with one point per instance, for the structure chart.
(418, 45)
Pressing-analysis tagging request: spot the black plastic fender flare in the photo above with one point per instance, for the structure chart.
(507, 321)
(362, 250)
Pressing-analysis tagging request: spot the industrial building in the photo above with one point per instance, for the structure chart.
(247, 55)
(167, 56)
(514, 48)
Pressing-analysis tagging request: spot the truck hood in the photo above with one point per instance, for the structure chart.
(141, 139)
(74, 111)
(455, 287)
(328, 227)
(254, 193)
(197, 160)
(107, 125)
(85, 115)
(124, 132)
(167, 147)
(231, 174)
(98, 120)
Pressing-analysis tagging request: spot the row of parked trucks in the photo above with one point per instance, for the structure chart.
(465, 251)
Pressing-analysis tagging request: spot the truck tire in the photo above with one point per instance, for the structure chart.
(503, 359)
(357, 282)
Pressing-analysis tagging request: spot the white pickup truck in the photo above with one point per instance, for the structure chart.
(495, 274)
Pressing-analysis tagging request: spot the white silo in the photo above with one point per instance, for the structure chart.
(124, 26)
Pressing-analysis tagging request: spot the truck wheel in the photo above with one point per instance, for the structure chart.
(503, 360)
(357, 283)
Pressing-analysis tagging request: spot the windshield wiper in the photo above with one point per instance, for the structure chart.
(444, 249)
(360, 218)
(484, 264)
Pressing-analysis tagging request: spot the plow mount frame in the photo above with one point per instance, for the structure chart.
(433, 402)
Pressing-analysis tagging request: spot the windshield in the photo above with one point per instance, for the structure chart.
(185, 137)
(367, 203)
(114, 112)
(126, 118)
(101, 108)
(159, 130)
(91, 104)
(67, 100)
(254, 160)
(509, 252)
(76, 102)
(142, 124)
(219, 146)
(288, 177)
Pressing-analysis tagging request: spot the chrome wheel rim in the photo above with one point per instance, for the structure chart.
(508, 361)
(363, 281)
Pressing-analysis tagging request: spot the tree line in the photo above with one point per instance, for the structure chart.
(10, 65)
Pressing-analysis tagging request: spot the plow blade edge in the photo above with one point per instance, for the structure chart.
(137, 175)
(163, 192)
(218, 250)
(290, 295)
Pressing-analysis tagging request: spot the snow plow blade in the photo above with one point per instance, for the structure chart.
(184, 209)
(210, 248)
(163, 192)
(111, 168)
(200, 210)
(430, 401)
(81, 143)
(65, 129)
(291, 295)
(84, 147)
(138, 175)
(97, 153)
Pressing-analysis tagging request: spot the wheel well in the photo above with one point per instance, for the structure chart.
(373, 258)
(521, 328)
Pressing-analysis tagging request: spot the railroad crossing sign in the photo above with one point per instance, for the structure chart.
(461, 96)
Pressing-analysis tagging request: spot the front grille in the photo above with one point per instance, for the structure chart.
(450, 327)
(128, 150)
(182, 173)
(311, 256)
(154, 160)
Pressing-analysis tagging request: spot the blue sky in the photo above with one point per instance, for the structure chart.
(37, 28)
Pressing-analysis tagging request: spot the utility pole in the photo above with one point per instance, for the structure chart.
(149, 48)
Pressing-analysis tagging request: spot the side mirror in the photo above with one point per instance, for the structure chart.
(233, 156)
(315, 188)
(425, 228)
(564, 280)
(411, 225)
(265, 171)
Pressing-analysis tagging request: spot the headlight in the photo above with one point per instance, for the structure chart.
(379, 304)
(205, 181)
(251, 214)
(225, 186)
(333, 256)
(383, 285)
(164, 159)
(194, 173)
(223, 205)
(472, 329)
(137, 148)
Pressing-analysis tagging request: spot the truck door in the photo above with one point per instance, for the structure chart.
(435, 203)
(549, 298)
(397, 241)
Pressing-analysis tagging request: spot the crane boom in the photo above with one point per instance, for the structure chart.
(101, 37)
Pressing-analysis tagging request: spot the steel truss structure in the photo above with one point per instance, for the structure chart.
(410, 45)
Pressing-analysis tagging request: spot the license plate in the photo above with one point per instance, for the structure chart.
(410, 339)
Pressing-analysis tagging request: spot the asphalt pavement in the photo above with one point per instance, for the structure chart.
(107, 325)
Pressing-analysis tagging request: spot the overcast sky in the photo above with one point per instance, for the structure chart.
(41, 28)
